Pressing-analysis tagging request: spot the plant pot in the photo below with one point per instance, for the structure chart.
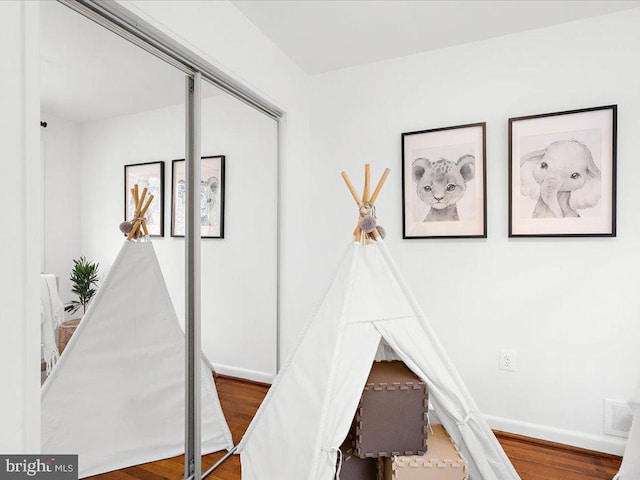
(65, 331)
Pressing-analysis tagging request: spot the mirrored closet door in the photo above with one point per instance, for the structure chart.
(119, 124)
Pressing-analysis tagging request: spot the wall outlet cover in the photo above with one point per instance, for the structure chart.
(507, 360)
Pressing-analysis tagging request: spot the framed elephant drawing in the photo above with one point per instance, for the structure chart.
(444, 182)
(562, 174)
(212, 192)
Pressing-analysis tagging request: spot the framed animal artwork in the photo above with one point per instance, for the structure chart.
(562, 174)
(150, 176)
(212, 190)
(444, 182)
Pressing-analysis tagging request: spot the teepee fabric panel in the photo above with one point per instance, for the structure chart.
(375, 294)
(630, 468)
(116, 397)
(284, 430)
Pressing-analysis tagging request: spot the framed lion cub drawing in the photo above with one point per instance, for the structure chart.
(444, 182)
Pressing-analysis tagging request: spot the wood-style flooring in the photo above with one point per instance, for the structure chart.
(541, 460)
(533, 459)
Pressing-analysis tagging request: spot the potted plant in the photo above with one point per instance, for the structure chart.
(84, 278)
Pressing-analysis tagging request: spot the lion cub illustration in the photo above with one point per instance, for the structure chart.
(441, 184)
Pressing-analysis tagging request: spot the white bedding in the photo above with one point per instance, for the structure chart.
(51, 316)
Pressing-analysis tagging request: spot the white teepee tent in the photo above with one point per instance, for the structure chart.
(116, 396)
(630, 468)
(308, 411)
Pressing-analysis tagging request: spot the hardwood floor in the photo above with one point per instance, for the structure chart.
(541, 460)
(533, 459)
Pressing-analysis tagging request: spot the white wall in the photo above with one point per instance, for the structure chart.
(61, 169)
(567, 306)
(238, 272)
(20, 236)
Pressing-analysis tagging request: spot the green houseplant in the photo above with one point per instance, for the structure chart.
(84, 278)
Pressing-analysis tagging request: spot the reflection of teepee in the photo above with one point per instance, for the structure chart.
(308, 410)
(116, 396)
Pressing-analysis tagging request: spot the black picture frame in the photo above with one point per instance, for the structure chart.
(424, 222)
(582, 142)
(150, 175)
(212, 166)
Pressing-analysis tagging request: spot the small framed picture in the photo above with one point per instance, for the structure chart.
(562, 174)
(151, 176)
(444, 183)
(212, 190)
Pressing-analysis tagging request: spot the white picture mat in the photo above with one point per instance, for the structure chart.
(537, 133)
(450, 144)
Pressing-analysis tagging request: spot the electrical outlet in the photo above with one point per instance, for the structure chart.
(508, 360)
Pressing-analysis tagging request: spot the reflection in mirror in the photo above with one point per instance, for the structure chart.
(239, 272)
(115, 118)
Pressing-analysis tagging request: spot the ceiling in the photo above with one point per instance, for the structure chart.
(87, 73)
(321, 35)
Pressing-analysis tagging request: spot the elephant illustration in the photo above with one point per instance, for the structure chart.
(563, 178)
(209, 201)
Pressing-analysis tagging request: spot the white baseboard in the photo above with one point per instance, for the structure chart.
(253, 375)
(606, 444)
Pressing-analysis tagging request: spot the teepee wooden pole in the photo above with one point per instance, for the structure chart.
(146, 205)
(358, 234)
(366, 195)
(354, 194)
(134, 230)
(383, 179)
(133, 195)
(136, 197)
(142, 197)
